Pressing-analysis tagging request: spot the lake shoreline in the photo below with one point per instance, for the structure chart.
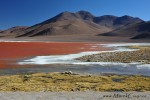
(138, 55)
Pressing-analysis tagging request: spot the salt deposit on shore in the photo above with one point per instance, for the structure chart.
(70, 59)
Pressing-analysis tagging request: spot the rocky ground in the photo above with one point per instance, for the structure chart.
(142, 56)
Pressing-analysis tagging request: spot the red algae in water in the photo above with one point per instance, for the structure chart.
(13, 50)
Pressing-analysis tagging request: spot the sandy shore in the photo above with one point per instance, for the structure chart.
(88, 95)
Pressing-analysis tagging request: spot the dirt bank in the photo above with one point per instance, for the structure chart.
(142, 55)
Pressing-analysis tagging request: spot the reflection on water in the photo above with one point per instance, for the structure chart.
(92, 69)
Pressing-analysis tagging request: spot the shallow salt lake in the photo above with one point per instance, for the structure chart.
(60, 57)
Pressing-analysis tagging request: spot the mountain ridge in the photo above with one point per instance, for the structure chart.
(81, 22)
(85, 23)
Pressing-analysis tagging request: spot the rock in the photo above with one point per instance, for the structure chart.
(68, 72)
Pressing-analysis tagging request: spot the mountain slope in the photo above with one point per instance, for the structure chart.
(82, 22)
(13, 31)
(116, 22)
(144, 30)
(133, 31)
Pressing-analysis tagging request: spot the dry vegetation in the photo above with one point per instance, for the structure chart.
(142, 55)
(73, 82)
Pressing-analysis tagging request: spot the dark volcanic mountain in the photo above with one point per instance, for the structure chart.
(133, 31)
(82, 22)
(144, 31)
(116, 22)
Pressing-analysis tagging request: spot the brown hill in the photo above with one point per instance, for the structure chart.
(13, 31)
(65, 27)
(83, 26)
(82, 22)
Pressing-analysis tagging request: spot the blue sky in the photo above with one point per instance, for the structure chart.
(30, 12)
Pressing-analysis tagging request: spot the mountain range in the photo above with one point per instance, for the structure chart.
(85, 24)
